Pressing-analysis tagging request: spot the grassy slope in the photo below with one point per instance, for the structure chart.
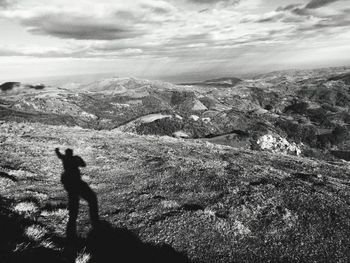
(215, 203)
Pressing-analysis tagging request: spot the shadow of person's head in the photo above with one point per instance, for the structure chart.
(69, 152)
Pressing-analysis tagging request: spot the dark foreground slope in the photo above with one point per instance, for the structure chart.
(212, 203)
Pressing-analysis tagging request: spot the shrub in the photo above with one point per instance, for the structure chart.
(179, 97)
(165, 126)
(338, 135)
(299, 132)
(329, 107)
(297, 107)
(268, 107)
(320, 116)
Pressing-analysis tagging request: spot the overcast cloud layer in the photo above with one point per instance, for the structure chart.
(163, 38)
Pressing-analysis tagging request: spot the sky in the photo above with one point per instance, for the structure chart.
(170, 39)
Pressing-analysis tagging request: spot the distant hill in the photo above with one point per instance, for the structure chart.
(220, 82)
(9, 85)
(13, 88)
(344, 77)
(296, 106)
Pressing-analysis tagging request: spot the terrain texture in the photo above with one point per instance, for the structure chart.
(296, 112)
(225, 170)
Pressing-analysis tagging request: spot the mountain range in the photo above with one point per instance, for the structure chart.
(307, 110)
(222, 170)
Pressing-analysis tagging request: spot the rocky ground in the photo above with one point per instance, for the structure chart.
(260, 174)
(212, 203)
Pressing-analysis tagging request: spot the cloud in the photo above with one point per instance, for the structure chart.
(9, 53)
(4, 3)
(310, 18)
(296, 22)
(301, 11)
(201, 46)
(71, 52)
(233, 2)
(288, 7)
(158, 7)
(290, 14)
(330, 22)
(78, 27)
(314, 4)
(190, 39)
(270, 17)
(95, 22)
(305, 10)
(43, 52)
(75, 24)
(206, 1)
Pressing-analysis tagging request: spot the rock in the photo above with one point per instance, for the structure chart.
(206, 120)
(194, 117)
(199, 106)
(180, 134)
(277, 144)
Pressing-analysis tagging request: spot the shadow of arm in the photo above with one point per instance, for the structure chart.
(59, 155)
(81, 162)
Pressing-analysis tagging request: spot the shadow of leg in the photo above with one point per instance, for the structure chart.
(73, 207)
(86, 193)
(71, 231)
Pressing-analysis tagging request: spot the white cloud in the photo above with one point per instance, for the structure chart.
(4, 3)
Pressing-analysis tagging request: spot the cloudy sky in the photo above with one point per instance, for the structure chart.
(164, 38)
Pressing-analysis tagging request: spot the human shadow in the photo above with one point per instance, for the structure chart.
(76, 188)
(104, 243)
(108, 244)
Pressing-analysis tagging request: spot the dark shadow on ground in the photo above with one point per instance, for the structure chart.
(108, 244)
(104, 243)
(8, 176)
(15, 246)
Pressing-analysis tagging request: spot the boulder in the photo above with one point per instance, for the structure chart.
(277, 144)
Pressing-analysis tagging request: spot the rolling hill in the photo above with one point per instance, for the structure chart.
(224, 170)
(307, 108)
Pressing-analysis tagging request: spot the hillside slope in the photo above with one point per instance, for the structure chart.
(213, 203)
(306, 108)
